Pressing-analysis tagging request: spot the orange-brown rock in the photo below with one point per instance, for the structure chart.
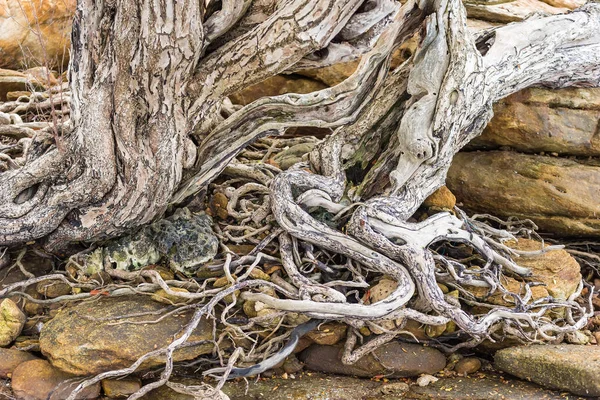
(559, 194)
(556, 269)
(35, 33)
(565, 121)
(441, 198)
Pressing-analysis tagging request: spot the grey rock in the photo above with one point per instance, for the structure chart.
(572, 368)
(392, 359)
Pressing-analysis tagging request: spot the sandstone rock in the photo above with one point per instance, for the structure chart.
(11, 359)
(12, 320)
(541, 120)
(41, 76)
(328, 334)
(556, 269)
(12, 81)
(53, 288)
(548, 190)
(508, 11)
(35, 33)
(566, 367)
(276, 85)
(393, 359)
(83, 340)
(115, 388)
(441, 198)
(38, 380)
(12, 96)
(468, 365)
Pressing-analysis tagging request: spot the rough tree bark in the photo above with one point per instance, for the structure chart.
(151, 126)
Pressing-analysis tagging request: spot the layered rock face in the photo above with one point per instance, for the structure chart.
(35, 33)
(538, 159)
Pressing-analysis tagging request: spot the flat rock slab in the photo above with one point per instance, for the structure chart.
(318, 386)
(572, 368)
(112, 333)
(392, 359)
(484, 387)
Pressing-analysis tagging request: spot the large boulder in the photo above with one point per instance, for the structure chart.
(559, 194)
(565, 367)
(95, 337)
(539, 120)
(34, 33)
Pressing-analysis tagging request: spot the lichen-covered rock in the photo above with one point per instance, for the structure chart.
(12, 320)
(185, 239)
(560, 195)
(566, 367)
(84, 339)
(35, 33)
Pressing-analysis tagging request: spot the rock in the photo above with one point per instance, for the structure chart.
(185, 239)
(556, 269)
(393, 359)
(12, 320)
(508, 11)
(114, 388)
(41, 76)
(38, 380)
(83, 340)
(12, 96)
(11, 81)
(276, 85)
(53, 288)
(441, 198)
(11, 359)
(467, 365)
(482, 387)
(292, 365)
(538, 120)
(328, 334)
(548, 190)
(291, 156)
(163, 297)
(425, 380)
(572, 368)
(35, 33)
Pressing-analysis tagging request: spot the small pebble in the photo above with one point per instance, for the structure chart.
(467, 366)
(425, 380)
